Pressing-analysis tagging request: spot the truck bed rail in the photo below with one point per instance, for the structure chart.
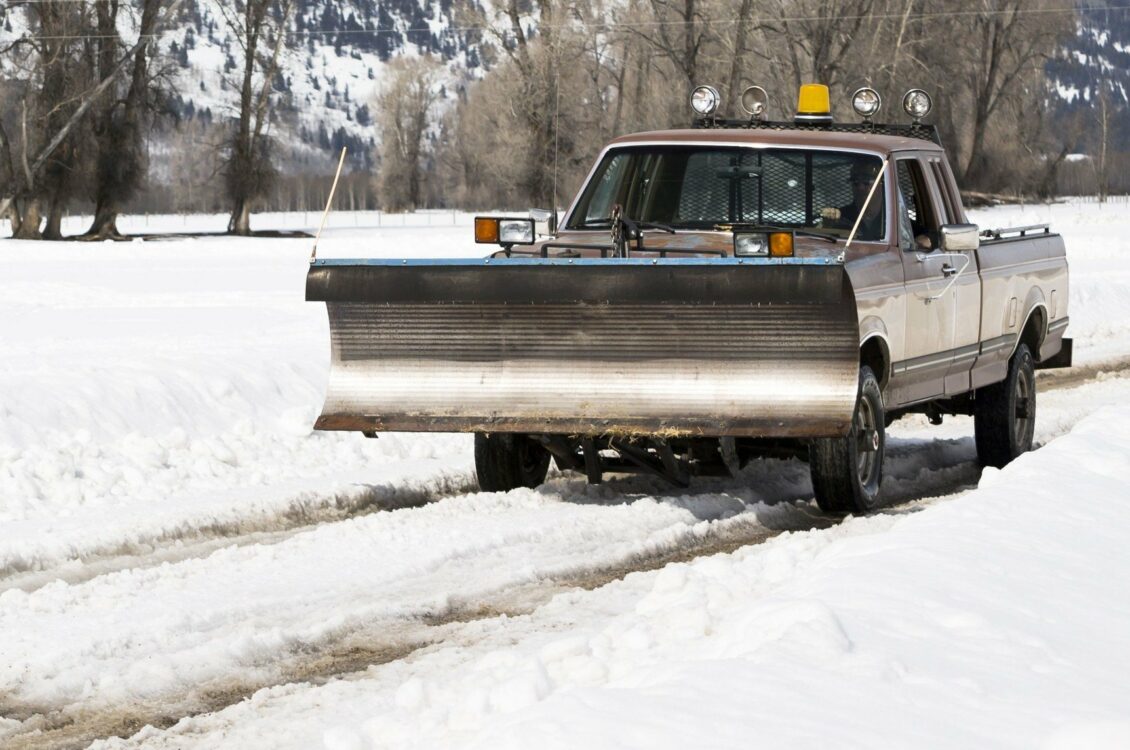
(1015, 232)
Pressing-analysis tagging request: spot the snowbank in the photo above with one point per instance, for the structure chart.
(997, 620)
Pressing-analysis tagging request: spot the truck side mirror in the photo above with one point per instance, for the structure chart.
(960, 237)
(544, 215)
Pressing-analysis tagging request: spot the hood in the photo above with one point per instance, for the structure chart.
(683, 244)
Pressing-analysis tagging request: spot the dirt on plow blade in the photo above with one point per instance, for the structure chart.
(702, 347)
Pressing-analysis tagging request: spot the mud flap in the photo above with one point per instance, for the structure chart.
(664, 347)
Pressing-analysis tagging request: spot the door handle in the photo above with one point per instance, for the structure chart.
(950, 272)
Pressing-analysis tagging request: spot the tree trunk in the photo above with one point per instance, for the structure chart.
(54, 228)
(737, 60)
(29, 226)
(1102, 172)
(975, 167)
(13, 214)
(240, 221)
(105, 224)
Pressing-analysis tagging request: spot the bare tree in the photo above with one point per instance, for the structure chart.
(1102, 177)
(405, 104)
(118, 121)
(817, 37)
(61, 87)
(249, 171)
(57, 80)
(1006, 40)
(738, 54)
(679, 33)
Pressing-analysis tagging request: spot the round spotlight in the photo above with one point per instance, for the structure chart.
(705, 100)
(754, 101)
(866, 102)
(917, 103)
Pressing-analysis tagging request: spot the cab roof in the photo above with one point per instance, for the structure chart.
(807, 136)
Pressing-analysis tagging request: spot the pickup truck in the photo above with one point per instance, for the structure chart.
(728, 291)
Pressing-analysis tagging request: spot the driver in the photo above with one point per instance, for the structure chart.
(863, 174)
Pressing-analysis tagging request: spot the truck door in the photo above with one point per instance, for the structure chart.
(930, 309)
(966, 288)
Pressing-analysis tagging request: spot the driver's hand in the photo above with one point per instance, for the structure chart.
(830, 214)
(923, 242)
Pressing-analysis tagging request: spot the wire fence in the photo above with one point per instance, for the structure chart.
(1114, 199)
(176, 223)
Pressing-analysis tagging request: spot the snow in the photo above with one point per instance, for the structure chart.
(175, 537)
(1067, 93)
(971, 624)
(1100, 274)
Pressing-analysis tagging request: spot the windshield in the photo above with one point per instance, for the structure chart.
(696, 187)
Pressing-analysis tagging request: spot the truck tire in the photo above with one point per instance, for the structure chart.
(847, 471)
(505, 462)
(1004, 414)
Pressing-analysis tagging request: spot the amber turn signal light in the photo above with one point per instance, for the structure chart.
(781, 245)
(486, 229)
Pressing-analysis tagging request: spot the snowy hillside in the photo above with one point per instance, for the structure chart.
(332, 65)
(176, 542)
(1094, 63)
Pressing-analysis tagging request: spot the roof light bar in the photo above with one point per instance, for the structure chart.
(705, 100)
(917, 103)
(866, 102)
(754, 101)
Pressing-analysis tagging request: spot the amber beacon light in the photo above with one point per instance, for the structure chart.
(814, 105)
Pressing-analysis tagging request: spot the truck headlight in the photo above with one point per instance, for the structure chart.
(516, 231)
(504, 231)
(763, 244)
(751, 244)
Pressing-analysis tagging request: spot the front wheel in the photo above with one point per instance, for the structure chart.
(847, 471)
(505, 462)
(1004, 414)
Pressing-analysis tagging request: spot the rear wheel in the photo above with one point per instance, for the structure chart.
(1004, 414)
(847, 471)
(505, 462)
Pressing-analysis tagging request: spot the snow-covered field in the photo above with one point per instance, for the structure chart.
(176, 542)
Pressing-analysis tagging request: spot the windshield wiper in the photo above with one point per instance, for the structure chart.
(601, 223)
(819, 235)
(770, 228)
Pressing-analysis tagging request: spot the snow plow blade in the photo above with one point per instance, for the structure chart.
(664, 347)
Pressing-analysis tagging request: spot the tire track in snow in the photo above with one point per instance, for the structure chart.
(352, 655)
(188, 542)
(922, 471)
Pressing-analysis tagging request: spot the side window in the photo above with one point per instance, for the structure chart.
(906, 233)
(906, 190)
(919, 210)
(952, 214)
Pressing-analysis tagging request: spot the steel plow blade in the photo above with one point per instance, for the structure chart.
(663, 348)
